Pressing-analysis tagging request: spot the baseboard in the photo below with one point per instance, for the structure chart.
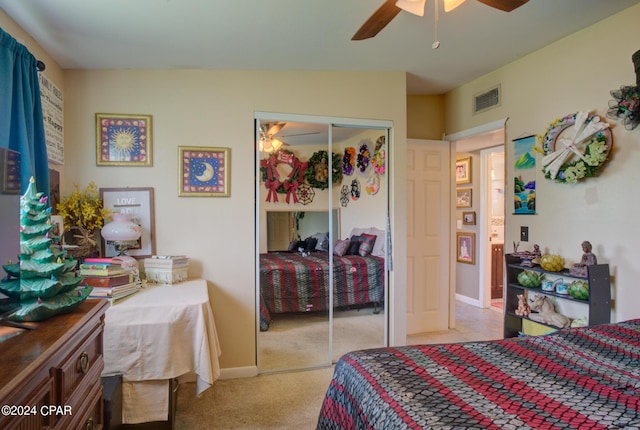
(468, 300)
(239, 372)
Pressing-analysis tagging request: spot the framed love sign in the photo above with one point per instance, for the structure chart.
(139, 203)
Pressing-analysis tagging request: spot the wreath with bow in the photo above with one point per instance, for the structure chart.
(563, 161)
(271, 177)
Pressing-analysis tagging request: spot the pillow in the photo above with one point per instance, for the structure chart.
(379, 248)
(354, 246)
(340, 247)
(366, 244)
(323, 241)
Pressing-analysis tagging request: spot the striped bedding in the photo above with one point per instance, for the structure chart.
(290, 282)
(582, 378)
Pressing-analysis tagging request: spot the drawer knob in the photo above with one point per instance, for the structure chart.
(84, 362)
(90, 425)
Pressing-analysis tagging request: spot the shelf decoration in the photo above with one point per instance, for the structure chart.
(569, 159)
(271, 176)
(625, 105)
(317, 170)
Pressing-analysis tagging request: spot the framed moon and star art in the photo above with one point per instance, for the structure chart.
(204, 171)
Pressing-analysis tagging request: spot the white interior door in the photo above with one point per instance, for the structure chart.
(428, 234)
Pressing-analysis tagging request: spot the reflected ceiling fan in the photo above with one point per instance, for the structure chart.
(390, 8)
(268, 140)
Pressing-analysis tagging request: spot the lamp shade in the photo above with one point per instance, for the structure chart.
(121, 228)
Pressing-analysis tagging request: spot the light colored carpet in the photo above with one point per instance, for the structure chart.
(292, 401)
(283, 401)
(296, 341)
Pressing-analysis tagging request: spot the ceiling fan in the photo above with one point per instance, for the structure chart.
(268, 140)
(390, 8)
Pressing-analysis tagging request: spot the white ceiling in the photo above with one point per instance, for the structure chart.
(299, 35)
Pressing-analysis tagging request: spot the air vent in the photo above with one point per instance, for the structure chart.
(486, 100)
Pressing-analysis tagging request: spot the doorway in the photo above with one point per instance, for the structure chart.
(482, 144)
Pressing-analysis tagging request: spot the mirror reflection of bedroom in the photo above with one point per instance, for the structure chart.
(322, 277)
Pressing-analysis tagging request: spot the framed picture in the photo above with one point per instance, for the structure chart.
(139, 203)
(466, 250)
(204, 171)
(123, 140)
(463, 198)
(469, 218)
(463, 170)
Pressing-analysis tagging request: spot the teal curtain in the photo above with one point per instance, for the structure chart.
(21, 124)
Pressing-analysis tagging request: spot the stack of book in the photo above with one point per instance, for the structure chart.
(108, 279)
(166, 269)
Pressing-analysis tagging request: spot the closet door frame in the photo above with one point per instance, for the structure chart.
(383, 125)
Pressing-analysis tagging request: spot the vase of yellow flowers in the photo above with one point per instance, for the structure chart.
(83, 215)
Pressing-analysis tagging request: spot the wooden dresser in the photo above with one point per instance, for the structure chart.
(50, 376)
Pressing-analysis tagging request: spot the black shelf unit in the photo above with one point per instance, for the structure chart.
(599, 301)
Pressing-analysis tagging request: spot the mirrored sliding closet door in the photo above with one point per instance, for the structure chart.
(321, 216)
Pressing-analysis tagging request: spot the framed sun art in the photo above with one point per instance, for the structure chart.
(123, 140)
(204, 171)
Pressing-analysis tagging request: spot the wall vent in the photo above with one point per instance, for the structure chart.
(486, 100)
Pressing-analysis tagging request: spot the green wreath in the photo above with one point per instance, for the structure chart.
(317, 172)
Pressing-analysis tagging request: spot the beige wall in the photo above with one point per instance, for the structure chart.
(574, 74)
(216, 108)
(425, 117)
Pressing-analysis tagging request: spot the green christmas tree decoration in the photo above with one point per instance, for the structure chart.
(44, 282)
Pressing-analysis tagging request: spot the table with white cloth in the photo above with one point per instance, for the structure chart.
(158, 334)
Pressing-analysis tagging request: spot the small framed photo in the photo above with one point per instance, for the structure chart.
(469, 218)
(463, 170)
(123, 140)
(204, 171)
(466, 251)
(463, 197)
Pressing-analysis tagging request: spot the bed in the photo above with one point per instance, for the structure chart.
(578, 378)
(297, 282)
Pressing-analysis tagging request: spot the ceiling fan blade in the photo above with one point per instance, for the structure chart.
(504, 5)
(275, 128)
(299, 134)
(378, 20)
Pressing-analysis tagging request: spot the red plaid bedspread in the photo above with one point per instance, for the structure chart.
(582, 378)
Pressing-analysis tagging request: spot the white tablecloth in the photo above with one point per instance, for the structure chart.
(160, 333)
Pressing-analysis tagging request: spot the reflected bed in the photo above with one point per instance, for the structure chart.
(291, 282)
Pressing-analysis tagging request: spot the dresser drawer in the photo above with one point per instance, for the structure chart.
(82, 362)
(35, 402)
(88, 414)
